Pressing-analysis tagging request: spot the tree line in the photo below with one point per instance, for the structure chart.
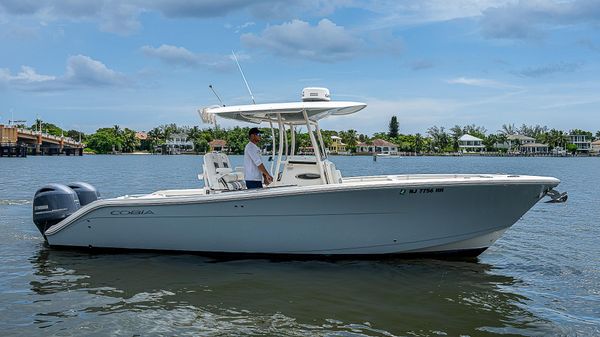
(437, 139)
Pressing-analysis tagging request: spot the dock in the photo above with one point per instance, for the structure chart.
(19, 142)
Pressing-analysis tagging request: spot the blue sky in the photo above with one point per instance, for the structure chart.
(86, 65)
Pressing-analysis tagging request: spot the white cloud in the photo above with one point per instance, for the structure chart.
(528, 19)
(171, 54)
(416, 12)
(180, 56)
(122, 16)
(481, 82)
(548, 69)
(325, 42)
(81, 71)
(239, 28)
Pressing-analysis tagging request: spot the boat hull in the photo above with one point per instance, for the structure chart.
(396, 218)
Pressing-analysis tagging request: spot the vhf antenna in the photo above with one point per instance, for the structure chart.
(243, 77)
(214, 92)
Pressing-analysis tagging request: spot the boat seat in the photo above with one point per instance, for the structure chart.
(219, 175)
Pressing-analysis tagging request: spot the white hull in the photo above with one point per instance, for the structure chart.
(368, 215)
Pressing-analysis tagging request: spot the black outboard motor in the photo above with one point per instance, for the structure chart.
(85, 192)
(51, 204)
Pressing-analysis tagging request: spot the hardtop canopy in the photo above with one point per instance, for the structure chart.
(290, 113)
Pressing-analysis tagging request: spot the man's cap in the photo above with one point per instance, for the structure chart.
(254, 131)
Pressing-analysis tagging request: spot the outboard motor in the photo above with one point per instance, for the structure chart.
(85, 192)
(51, 204)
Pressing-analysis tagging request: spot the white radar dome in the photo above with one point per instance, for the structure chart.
(315, 94)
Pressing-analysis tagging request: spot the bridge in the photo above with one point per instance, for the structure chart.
(20, 142)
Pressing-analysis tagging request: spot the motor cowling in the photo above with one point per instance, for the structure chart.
(53, 203)
(85, 192)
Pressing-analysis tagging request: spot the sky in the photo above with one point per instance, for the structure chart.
(90, 64)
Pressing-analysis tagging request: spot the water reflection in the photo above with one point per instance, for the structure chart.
(176, 294)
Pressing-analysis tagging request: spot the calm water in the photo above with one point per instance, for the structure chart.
(541, 278)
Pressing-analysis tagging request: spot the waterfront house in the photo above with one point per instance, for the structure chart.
(218, 145)
(377, 146)
(177, 143)
(596, 147)
(514, 142)
(468, 143)
(337, 146)
(534, 148)
(582, 142)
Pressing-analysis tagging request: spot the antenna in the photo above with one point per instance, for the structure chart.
(243, 77)
(214, 92)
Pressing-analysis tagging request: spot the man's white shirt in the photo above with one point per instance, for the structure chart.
(251, 162)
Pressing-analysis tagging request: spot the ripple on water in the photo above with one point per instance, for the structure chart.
(541, 278)
(11, 202)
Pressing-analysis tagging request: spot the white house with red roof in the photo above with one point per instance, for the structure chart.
(377, 146)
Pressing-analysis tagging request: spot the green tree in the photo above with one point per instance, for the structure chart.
(418, 143)
(155, 139)
(508, 129)
(581, 132)
(455, 133)
(201, 145)
(129, 141)
(393, 127)
(104, 140)
(490, 142)
(349, 138)
(74, 134)
(439, 138)
(474, 130)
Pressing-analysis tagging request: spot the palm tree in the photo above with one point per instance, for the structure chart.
(418, 142)
(508, 129)
(456, 132)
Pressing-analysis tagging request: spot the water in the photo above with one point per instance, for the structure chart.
(541, 278)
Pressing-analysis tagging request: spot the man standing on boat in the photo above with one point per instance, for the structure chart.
(254, 170)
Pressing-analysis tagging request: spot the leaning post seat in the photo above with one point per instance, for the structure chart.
(218, 174)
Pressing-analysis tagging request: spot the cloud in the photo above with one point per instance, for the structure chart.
(122, 16)
(394, 13)
(548, 69)
(171, 54)
(590, 44)
(180, 56)
(20, 7)
(82, 71)
(481, 82)
(421, 64)
(325, 42)
(241, 27)
(527, 19)
(113, 16)
(262, 9)
(202, 9)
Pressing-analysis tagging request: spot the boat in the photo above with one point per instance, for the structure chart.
(387, 155)
(310, 209)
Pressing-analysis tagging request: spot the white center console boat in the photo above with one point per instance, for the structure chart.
(310, 208)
